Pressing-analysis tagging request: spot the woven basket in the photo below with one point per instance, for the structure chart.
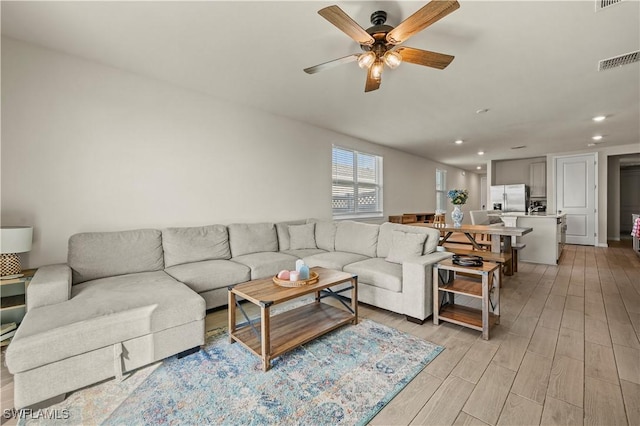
(313, 278)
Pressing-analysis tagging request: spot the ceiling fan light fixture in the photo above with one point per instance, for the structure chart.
(367, 59)
(392, 59)
(378, 42)
(376, 70)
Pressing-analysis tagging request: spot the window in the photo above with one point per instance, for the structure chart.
(357, 184)
(441, 192)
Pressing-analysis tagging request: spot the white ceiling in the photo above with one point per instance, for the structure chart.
(533, 64)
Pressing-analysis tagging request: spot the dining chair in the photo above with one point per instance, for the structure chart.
(480, 217)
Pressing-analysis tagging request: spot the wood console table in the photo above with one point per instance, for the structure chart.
(408, 218)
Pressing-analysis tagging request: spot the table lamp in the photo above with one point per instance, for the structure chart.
(13, 240)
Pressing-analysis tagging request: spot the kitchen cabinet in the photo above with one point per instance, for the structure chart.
(545, 242)
(538, 180)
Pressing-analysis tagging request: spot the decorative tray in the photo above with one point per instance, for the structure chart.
(313, 278)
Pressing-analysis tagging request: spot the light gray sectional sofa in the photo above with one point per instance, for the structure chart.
(127, 299)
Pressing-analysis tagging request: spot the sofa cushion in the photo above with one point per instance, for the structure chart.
(184, 245)
(101, 313)
(282, 228)
(405, 245)
(326, 235)
(302, 236)
(302, 253)
(210, 274)
(357, 237)
(94, 255)
(333, 259)
(266, 264)
(385, 238)
(247, 238)
(378, 272)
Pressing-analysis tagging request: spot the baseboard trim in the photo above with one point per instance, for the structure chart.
(605, 245)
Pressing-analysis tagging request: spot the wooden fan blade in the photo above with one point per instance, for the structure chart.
(371, 83)
(331, 64)
(424, 57)
(429, 14)
(340, 19)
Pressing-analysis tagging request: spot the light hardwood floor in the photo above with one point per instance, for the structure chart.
(566, 351)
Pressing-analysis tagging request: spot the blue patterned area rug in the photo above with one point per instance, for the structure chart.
(344, 377)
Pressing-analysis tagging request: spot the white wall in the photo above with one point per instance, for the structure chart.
(86, 147)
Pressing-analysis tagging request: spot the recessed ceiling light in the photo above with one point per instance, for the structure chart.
(599, 118)
(482, 111)
(597, 137)
(459, 141)
(479, 168)
(591, 144)
(480, 152)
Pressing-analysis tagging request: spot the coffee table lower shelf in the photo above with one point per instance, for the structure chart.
(293, 328)
(465, 315)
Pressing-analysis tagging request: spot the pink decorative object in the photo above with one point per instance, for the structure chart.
(284, 275)
(293, 276)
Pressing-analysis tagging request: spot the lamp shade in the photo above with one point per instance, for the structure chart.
(15, 239)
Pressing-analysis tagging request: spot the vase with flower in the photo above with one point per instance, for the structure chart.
(458, 197)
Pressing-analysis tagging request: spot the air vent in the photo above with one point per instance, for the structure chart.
(518, 147)
(619, 61)
(603, 4)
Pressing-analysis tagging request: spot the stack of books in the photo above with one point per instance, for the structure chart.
(6, 333)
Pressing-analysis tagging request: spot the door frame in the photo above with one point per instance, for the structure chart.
(553, 161)
(484, 205)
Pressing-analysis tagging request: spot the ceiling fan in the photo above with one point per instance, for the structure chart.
(379, 41)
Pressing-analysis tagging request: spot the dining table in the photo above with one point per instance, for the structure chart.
(499, 243)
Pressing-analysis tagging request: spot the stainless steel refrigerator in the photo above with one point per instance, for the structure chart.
(510, 198)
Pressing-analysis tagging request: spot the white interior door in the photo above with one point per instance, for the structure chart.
(576, 196)
(483, 193)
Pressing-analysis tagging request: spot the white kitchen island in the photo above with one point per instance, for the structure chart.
(544, 244)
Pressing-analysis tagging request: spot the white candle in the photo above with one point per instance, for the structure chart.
(293, 276)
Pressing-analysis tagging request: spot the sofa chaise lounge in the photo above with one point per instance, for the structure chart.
(127, 299)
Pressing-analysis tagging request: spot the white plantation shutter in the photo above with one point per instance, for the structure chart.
(441, 192)
(357, 184)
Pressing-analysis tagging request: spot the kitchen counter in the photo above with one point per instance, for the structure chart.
(532, 215)
(545, 243)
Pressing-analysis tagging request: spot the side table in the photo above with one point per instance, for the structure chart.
(13, 306)
(444, 307)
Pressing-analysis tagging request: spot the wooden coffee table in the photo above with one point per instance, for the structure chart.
(271, 336)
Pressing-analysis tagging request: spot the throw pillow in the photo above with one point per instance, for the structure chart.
(302, 236)
(405, 245)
